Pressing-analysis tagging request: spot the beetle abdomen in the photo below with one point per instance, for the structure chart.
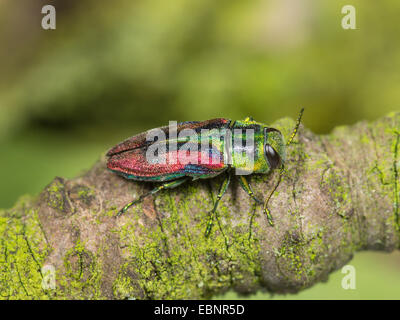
(174, 156)
(134, 165)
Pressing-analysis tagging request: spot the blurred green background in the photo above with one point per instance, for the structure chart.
(113, 69)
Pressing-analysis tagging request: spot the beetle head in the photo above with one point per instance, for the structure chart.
(274, 148)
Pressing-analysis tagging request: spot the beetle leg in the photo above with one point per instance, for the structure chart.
(167, 185)
(246, 187)
(266, 210)
(282, 171)
(221, 192)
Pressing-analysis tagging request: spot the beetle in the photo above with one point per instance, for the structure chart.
(170, 156)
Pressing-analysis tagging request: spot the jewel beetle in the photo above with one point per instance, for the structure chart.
(192, 150)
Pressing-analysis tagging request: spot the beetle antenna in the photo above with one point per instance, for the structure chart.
(296, 128)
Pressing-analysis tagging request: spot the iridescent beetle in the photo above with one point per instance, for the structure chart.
(130, 158)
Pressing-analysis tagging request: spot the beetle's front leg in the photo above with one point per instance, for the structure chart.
(221, 192)
(266, 210)
(167, 185)
(246, 187)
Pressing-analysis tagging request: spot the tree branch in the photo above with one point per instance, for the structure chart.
(340, 194)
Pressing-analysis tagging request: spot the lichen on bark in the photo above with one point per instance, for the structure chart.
(339, 195)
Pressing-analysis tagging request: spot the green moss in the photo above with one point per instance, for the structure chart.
(82, 273)
(23, 255)
(300, 256)
(23, 251)
(55, 195)
(172, 259)
(396, 196)
(85, 194)
(384, 171)
(333, 180)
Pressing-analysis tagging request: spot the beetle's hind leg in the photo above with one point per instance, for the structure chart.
(167, 185)
(221, 192)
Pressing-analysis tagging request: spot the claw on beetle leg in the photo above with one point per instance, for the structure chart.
(269, 217)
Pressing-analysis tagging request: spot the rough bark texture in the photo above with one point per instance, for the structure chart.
(340, 195)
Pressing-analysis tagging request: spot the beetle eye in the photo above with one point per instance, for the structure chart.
(272, 157)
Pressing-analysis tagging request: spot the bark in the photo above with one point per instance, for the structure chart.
(340, 194)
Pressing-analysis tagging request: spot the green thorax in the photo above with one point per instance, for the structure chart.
(248, 143)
